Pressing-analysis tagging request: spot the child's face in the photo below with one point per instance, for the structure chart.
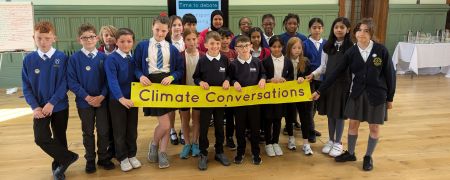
(363, 34)
(191, 41)
(160, 31)
(44, 41)
(316, 29)
(255, 37)
(213, 47)
(226, 41)
(268, 25)
(108, 38)
(177, 28)
(245, 25)
(88, 40)
(276, 48)
(291, 25)
(243, 49)
(125, 43)
(296, 50)
(217, 21)
(191, 26)
(340, 30)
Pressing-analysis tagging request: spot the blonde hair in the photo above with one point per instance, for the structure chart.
(107, 29)
(302, 60)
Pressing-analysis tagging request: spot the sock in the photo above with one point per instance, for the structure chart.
(352, 143)
(331, 127)
(339, 129)
(371, 144)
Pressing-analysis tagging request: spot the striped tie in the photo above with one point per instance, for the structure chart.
(159, 62)
(45, 57)
(91, 55)
(128, 56)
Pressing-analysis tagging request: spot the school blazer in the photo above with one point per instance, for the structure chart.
(376, 76)
(288, 68)
(176, 62)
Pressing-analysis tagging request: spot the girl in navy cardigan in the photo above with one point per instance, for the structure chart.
(291, 23)
(372, 90)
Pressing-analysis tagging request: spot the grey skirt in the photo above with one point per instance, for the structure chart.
(360, 109)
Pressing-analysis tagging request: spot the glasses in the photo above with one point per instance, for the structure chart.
(85, 38)
(244, 46)
(246, 24)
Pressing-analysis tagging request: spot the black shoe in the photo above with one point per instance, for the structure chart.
(312, 140)
(230, 143)
(367, 163)
(238, 159)
(211, 122)
(54, 166)
(181, 138)
(59, 172)
(222, 159)
(90, 167)
(106, 164)
(344, 157)
(317, 133)
(111, 151)
(203, 162)
(262, 139)
(257, 160)
(297, 126)
(173, 141)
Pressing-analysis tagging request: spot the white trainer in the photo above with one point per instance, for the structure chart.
(327, 148)
(270, 151)
(277, 150)
(307, 149)
(125, 165)
(291, 143)
(336, 150)
(135, 163)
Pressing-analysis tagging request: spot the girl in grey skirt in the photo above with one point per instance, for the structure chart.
(372, 89)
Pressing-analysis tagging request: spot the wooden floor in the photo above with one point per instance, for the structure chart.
(414, 144)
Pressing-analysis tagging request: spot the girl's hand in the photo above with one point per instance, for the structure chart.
(204, 85)
(262, 83)
(309, 77)
(126, 102)
(237, 86)
(167, 80)
(37, 113)
(315, 96)
(145, 81)
(48, 109)
(389, 105)
(226, 84)
(300, 80)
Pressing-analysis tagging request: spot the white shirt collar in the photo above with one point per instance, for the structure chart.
(121, 53)
(49, 53)
(163, 42)
(180, 41)
(281, 58)
(212, 58)
(86, 52)
(268, 36)
(314, 41)
(245, 61)
(296, 60)
(368, 49)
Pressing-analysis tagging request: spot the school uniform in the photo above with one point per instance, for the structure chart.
(286, 36)
(102, 49)
(44, 81)
(267, 38)
(190, 63)
(233, 42)
(178, 44)
(305, 109)
(272, 113)
(120, 68)
(86, 77)
(261, 53)
(373, 82)
(248, 73)
(157, 60)
(214, 71)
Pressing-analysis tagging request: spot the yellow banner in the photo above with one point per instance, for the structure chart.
(178, 96)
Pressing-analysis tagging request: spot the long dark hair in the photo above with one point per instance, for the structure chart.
(261, 34)
(329, 47)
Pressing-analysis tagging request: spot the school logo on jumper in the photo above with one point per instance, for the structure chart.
(88, 68)
(37, 71)
(377, 61)
(57, 61)
(221, 69)
(252, 69)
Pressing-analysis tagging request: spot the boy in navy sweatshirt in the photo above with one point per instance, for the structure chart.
(86, 79)
(45, 90)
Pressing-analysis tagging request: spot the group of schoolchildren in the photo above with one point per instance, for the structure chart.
(354, 81)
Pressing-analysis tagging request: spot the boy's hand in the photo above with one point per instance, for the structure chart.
(97, 102)
(166, 81)
(237, 86)
(204, 85)
(315, 96)
(300, 80)
(389, 105)
(226, 84)
(310, 77)
(126, 102)
(89, 99)
(262, 83)
(37, 113)
(48, 109)
(145, 81)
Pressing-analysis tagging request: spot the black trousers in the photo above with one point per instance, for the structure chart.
(290, 117)
(124, 122)
(205, 117)
(111, 146)
(53, 141)
(247, 117)
(229, 127)
(305, 110)
(272, 130)
(92, 118)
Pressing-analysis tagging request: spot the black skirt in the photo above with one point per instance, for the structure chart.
(333, 101)
(153, 111)
(360, 109)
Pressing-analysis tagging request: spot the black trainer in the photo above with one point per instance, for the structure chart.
(106, 164)
(203, 162)
(317, 133)
(344, 157)
(174, 141)
(222, 159)
(297, 126)
(257, 160)
(181, 138)
(367, 163)
(230, 143)
(239, 159)
(59, 172)
(90, 167)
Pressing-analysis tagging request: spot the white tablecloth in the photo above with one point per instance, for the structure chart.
(416, 56)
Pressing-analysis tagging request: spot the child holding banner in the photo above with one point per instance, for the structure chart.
(247, 71)
(279, 69)
(157, 61)
(211, 70)
(191, 56)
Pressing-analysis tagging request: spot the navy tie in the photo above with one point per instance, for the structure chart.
(91, 55)
(159, 62)
(45, 57)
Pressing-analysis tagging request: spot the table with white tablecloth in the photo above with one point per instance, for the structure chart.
(433, 58)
